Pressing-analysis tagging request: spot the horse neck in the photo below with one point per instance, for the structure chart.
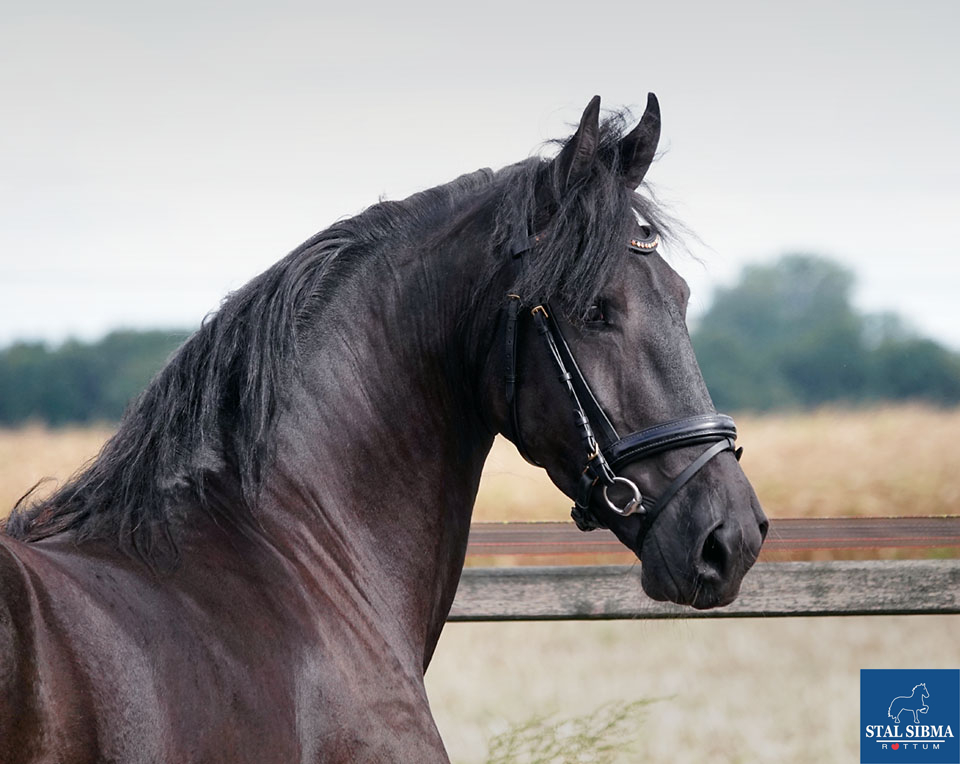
(380, 450)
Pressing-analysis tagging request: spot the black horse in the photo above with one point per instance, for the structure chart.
(258, 565)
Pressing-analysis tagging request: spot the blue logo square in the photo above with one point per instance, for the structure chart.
(910, 716)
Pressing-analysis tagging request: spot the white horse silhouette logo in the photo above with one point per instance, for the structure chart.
(911, 703)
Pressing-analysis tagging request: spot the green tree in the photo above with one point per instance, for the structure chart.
(916, 368)
(80, 382)
(787, 335)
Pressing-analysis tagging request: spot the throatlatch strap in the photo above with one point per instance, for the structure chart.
(511, 377)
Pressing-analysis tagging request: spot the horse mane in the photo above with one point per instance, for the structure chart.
(201, 432)
(583, 228)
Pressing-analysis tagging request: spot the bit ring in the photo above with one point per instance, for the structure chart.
(633, 505)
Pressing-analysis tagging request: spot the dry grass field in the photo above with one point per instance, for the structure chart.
(739, 691)
(883, 461)
(777, 690)
(34, 453)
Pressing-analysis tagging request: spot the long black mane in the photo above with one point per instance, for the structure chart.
(201, 433)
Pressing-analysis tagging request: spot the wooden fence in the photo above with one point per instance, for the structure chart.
(831, 587)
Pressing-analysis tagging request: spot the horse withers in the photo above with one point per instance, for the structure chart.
(258, 565)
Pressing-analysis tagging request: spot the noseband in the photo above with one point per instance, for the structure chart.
(606, 451)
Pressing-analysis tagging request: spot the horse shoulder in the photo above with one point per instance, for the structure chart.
(33, 669)
(18, 697)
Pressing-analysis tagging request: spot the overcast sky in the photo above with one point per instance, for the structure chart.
(154, 156)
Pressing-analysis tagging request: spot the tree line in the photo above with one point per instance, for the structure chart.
(785, 335)
(80, 382)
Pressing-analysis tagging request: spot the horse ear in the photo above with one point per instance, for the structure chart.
(577, 155)
(639, 146)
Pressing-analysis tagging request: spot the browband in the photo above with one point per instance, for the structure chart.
(646, 241)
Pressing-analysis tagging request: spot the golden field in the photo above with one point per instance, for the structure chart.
(36, 453)
(730, 690)
(899, 460)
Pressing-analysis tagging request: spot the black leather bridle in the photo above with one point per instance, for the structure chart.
(606, 451)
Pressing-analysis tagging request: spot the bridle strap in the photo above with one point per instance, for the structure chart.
(594, 411)
(702, 428)
(587, 409)
(545, 326)
(718, 429)
(511, 377)
(653, 512)
(603, 460)
(692, 469)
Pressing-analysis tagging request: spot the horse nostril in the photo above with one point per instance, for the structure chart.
(715, 554)
(764, 526)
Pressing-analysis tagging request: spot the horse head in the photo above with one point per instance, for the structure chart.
(596, 322)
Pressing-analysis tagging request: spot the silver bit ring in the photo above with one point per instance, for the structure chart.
(633, 505)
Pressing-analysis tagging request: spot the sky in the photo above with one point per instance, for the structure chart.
(155, 156)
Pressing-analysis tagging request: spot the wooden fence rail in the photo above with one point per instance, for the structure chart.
(872, 587)
(786, 535)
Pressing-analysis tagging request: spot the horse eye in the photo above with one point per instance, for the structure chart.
(594, 314)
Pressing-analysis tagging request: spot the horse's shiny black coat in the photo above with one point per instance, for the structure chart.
(258, 565)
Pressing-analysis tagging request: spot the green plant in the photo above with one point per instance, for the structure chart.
(600, 737)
